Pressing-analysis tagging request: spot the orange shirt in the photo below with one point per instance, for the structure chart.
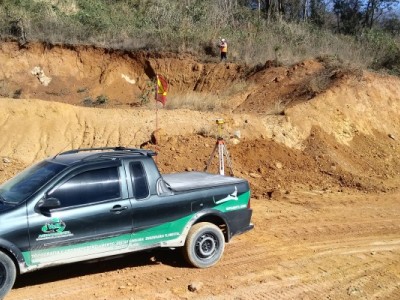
(223, 46)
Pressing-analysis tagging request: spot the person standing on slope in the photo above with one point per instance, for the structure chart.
(223, 47)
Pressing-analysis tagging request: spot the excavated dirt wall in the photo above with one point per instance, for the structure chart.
(312, 124)
(318, 142)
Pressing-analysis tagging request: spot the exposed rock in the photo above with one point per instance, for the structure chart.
(128, 79)
(255, 175)
(274, 194)
(195, 286)
(352, 290)
(237, 134)
(39, 73)
(234, 141)
(158, 136)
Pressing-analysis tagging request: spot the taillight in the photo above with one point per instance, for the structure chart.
(248, 204)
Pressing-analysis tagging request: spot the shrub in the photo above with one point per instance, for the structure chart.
(87, 101)
(101, 100)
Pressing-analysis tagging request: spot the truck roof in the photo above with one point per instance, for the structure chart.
(105, 153)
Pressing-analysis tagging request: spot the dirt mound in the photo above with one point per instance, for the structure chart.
(310, 125)
(33, 130)
(276, 89)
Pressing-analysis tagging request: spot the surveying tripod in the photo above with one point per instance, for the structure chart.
(222, 151)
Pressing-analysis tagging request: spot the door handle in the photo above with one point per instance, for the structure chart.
(117, 209)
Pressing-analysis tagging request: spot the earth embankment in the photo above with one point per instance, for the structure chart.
(318, 142)
(346, 136)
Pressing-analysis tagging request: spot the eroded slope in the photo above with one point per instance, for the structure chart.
(313, 124)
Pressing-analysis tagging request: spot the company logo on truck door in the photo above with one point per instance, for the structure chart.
(56, 225)
(54, 229)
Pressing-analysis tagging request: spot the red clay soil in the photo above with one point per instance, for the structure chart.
(318, 142)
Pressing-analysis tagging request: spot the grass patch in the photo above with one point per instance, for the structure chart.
(195, 101)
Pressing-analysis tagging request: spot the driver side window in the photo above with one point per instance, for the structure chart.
(89, 187)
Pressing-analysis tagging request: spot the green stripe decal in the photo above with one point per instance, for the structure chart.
(162, 233)
(136, 241)
(232, 203)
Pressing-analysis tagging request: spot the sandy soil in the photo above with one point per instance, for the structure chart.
(319, 144)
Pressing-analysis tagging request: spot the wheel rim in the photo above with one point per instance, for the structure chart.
(206, 245)
(3, 275)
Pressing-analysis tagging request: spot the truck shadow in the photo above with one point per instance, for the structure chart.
(169, 257)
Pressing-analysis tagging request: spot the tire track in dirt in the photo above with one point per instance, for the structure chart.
(326, 246)
(316, 281)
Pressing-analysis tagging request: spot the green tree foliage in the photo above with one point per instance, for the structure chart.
(356, 15)
(375, 9)
(349, 16)
(391, 25)
(318, 12)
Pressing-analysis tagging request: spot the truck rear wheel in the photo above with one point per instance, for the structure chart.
(204, 245)
(8, 272)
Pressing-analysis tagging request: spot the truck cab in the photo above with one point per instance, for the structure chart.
(91, 203)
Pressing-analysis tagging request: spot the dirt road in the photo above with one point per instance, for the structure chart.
(306, 245)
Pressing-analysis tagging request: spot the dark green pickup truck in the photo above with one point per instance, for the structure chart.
(90, 203)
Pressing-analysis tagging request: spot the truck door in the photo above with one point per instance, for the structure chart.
(94, 216)
(155, 219)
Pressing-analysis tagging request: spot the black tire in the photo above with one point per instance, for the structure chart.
(204, 245)
(8, 272)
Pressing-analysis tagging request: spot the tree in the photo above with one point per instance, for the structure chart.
(391, 24)
(274, 9)
(348, 15)
(317, 12)
(375, 9)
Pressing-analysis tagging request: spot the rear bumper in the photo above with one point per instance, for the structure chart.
(239, 222)
(248, 228)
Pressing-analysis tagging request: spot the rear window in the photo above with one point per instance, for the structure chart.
(139, 179)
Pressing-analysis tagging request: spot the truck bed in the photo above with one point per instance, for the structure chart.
(185, 181)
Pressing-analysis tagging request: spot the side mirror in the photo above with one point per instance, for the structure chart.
(50, 203)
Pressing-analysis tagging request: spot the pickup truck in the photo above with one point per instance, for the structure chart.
(87, 204)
